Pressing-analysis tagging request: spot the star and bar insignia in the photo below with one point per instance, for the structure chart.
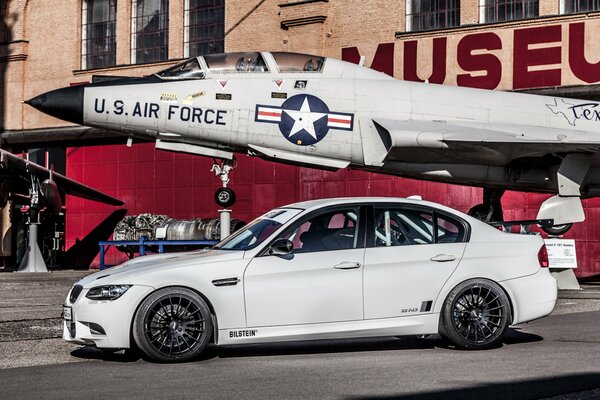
(304, 119)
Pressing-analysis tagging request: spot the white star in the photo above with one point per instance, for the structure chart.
(304, 119)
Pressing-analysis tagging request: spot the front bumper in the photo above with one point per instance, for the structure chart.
(533, 296)
(104, 324)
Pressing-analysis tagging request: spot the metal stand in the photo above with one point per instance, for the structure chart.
(33, 260)
(225, 216)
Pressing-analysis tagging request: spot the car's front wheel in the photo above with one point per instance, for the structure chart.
(475, 315)
(172, 325)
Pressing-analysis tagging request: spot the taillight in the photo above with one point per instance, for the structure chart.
(543, 257)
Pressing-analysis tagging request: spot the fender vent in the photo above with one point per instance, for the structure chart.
(426, 306)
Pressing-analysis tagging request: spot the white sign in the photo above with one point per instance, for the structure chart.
(561, 253)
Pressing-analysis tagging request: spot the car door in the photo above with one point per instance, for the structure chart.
(411, 252)
(320, 281)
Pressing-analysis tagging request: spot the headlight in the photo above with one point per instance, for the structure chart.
(108, 292)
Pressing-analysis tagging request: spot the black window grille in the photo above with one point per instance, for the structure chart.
(98, 33)
(205, 27)
(151, 30)
(433, 14)
(577, 6)
(510, 10)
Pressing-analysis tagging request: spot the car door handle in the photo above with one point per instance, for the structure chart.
(443, 258)
(347, 265)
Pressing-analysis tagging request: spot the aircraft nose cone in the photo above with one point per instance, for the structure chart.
(65, 103)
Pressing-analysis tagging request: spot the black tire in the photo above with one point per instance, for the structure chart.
(172, 325)
(225, 197)
(557, 230)
(475, 315)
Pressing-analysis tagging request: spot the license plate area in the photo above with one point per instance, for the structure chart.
(67, 313)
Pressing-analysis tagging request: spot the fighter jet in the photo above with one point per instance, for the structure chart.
(325, 113)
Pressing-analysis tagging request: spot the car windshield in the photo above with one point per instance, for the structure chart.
(189, 69)
(258, 230)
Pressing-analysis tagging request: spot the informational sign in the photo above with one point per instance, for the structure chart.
(561, 253)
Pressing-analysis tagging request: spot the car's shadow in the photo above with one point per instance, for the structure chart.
(513, 336)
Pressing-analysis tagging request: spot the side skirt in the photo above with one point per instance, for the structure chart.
(413, 325)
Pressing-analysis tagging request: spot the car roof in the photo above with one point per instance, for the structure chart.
(318, 203)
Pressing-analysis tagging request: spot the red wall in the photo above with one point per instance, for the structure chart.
(182, 186)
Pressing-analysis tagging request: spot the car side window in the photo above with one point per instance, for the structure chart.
(332, 230)
(403, 226)
(449, 230)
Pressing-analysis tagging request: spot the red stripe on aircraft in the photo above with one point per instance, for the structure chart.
(339, 121)
(269, 114)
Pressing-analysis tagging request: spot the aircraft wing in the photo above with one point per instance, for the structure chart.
(15, 172)
(441, 142)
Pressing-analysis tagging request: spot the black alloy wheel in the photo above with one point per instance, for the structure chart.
(476, 315)
(173, 325)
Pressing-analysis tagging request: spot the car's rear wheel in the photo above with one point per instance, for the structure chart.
(172, 325)
(475, 315)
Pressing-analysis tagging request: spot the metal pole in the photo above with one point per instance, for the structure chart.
(33, 260)
(225, 216)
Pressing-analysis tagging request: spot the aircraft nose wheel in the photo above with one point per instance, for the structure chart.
(225, 197)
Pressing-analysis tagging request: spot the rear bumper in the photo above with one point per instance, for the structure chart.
(104, 324)
(532, 296)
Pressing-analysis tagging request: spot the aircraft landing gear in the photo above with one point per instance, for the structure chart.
(491, 208)
(224, 197)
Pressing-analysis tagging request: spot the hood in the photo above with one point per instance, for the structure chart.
(126, 272)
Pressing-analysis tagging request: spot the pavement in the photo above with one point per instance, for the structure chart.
(545, 356)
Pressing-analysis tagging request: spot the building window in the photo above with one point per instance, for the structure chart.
(578, 6)
(425, 15)
(204, 27)
(98, 44)
(508, 10)
(149, 31)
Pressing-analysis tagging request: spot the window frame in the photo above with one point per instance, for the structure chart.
(135, 19)
(563, 7)
(187, 11)
(411, 13)
(85, 34)
(484, 5)
(370, 226)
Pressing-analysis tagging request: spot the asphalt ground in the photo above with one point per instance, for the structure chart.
(557, 357)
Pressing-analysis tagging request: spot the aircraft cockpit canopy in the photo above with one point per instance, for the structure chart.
(236, 62)
(189, 69)
(242, 62)
(295, 62)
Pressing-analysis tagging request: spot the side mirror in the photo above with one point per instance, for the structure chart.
(281, 247)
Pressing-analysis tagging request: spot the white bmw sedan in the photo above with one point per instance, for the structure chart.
(323, 269)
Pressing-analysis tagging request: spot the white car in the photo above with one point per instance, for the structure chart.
(322, 269)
